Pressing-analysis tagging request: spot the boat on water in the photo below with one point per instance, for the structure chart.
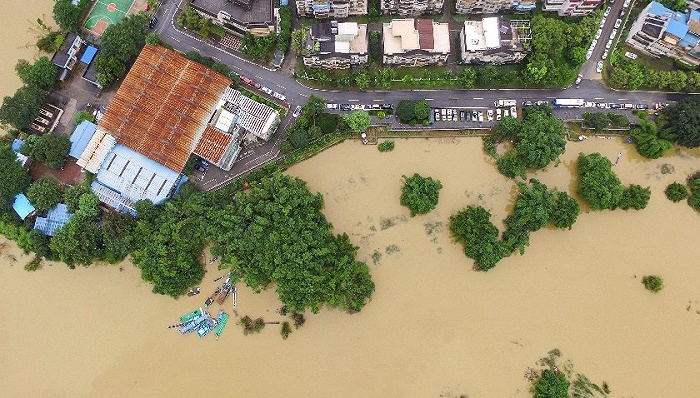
(224, 293)
(211, 298)
(223, 318)
(206, 327)
(194, 291)
(191, 315)
(233, 297)
(194, 323)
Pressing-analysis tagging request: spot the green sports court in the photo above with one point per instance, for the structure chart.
(105, 13)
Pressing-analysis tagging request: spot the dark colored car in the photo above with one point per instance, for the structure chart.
(203, 162)
(200, 168)
(642, 106)
(528, 103)
(387, 106)
(616, 106)
(152, 23)
(345, 107)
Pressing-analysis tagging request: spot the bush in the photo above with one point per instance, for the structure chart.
(386, 146)
(635, 197)
(676, 192)
(653, 283)
(694, 185)
(420, 194)
(286, 330)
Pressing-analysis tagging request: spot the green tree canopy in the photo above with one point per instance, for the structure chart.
(506, 129)
(67, 15)
(358, 121)
(551, 385)
(541, 140)
(41, 74)
(119, 43)
(421, 109)
(598, 185)
(277, 234)
(20, 110)
(473, 228)
(565, 210)
(406, 111)
(683, 121)
(676, 192)
(420, 194)
(635, 197)
(597, 120)
(14, 177)
(44, 193)
(52, 150)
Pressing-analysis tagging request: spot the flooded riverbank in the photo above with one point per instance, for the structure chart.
(434, 327)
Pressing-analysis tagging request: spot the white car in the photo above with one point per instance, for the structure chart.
(613, 33)
(630, 55)
(618, 22)
(607, 12)
(578, 79)
(489, 115)
(331, 106)
(608, 44)
(266, 90)
(605, 54)
(589, 54)
(598, 33)
(599, 67)
(279, 96)
(498, 114)
(297, 111)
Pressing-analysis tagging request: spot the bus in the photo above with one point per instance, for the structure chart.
(568, 103)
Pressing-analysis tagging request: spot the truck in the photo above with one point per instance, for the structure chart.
(504, 103)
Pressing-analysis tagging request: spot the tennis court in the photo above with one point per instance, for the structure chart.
(105, 13)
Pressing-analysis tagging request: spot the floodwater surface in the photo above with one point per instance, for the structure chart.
(434, 328)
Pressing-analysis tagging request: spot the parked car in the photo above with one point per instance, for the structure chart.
(200, 169)
(527, 103)
(331, 106)
(602, 105)
(599, 66)
(480, 116)
(616, 106)
(607, 12)
(642, 106)
(437, 115)
(246, 80)
(279, 96)
(266, 90)
(605, 54)
(387, 106)
(618, 23)
(613, 33)
(152, 23)
(589, 104)
(578, 79)
(345, 107)
(498, 114)
(598, 33)
(461, 115)
(630, 55)
(203, 162)
(297, 111)
(489, 114)
(475, 116)
(257, 85)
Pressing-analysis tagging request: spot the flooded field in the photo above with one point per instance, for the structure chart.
(435, 328)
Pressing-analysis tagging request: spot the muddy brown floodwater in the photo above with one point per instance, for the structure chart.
(434, 328)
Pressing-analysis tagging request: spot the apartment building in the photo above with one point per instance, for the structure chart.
(492, 6)
(415, 42)
(336, 45)
(411, 7)
(571, 8)
(336, 9)
(494, 40)
(661, 32)
(256, 17)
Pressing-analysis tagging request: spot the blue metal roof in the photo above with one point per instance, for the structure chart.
(136, 176)
(22, 206)
(695, 14)
(690, 40)
(284, 2)
(16, 145)
(656, 8)
(88, 55)
(677, 28)
(80, 138)
(55, 219)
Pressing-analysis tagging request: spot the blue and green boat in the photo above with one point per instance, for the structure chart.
(223, 318)
(191, 315)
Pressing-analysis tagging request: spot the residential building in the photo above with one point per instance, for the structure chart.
(411, 7)
(337, 9)
(494, 40)
(415, 42)
(22, 206)
(661, 32)
(67, 56)
(573, 8)
(90, 73)
(256, 17)
(336, 45)
(492, 6)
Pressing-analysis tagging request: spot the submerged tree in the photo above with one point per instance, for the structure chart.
(472, 227)
(420, 194)
(598, 185)
(551, 385)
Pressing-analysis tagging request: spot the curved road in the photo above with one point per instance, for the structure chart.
(590, 89)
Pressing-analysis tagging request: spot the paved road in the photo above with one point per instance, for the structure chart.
(297, 94)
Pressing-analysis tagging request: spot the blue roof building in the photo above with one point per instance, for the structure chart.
(22, 206)
(80, 138)
(88, 55)
(17, 145)
(55, 219)
(662, 32)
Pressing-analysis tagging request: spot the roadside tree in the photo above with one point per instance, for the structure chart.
(541, 140)
(596, 120)
(683, 121)
(358, 121)
(406, 111)
(421, 110)
(420, 194)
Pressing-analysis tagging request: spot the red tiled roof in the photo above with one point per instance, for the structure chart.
(425, 34)
(163, 106)
(213, 144)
